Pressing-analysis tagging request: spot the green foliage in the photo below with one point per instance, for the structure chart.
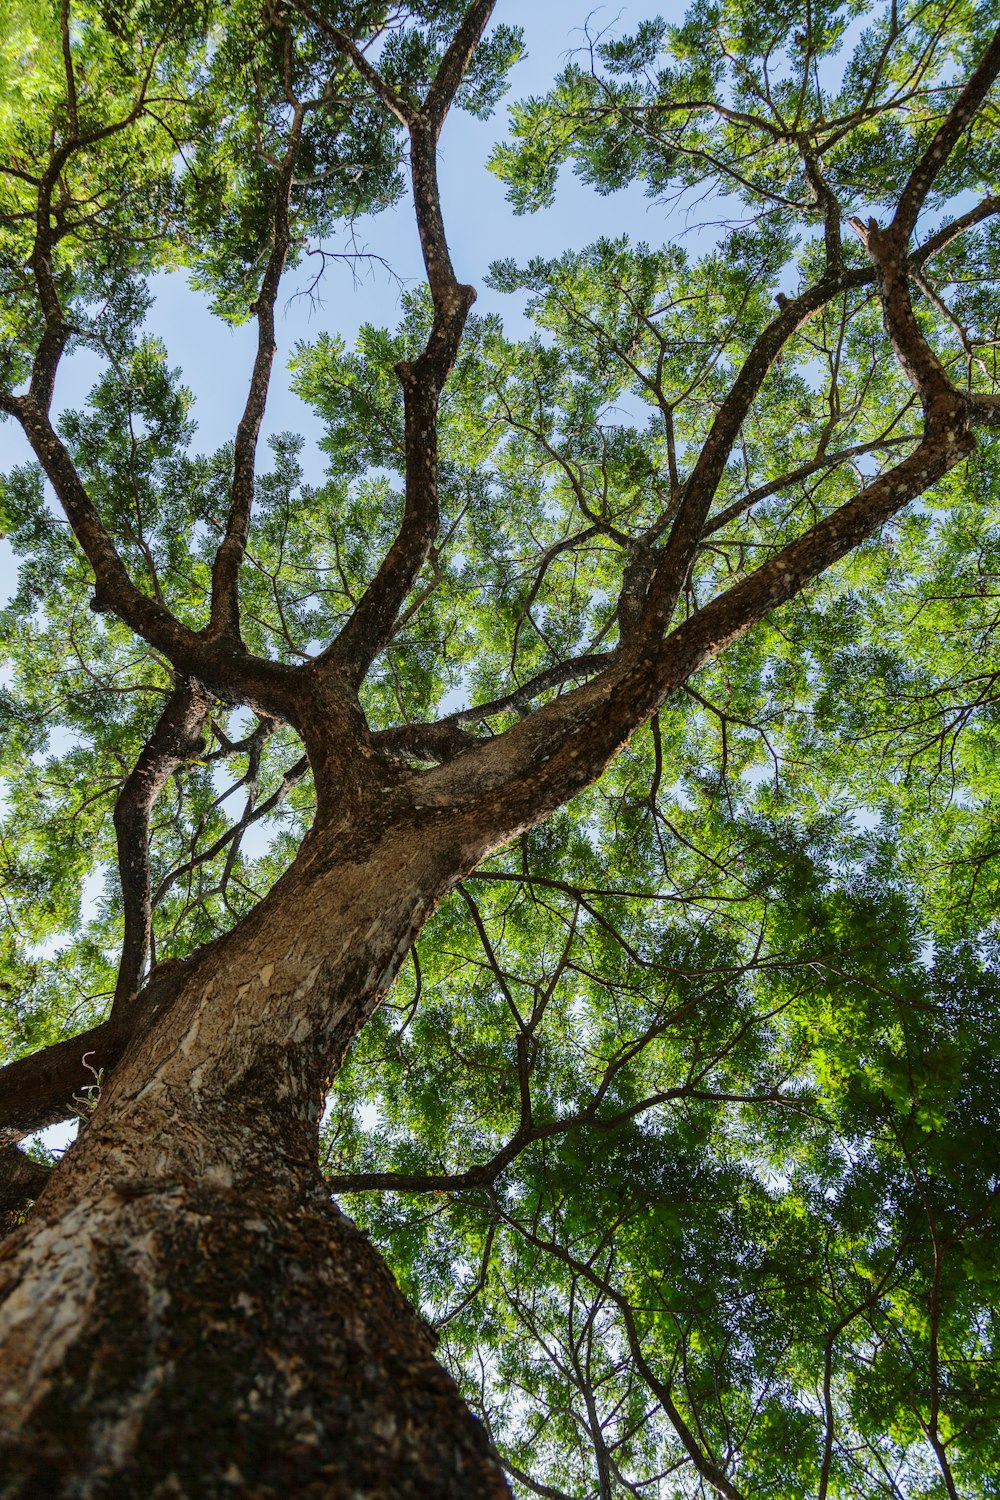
(764, 1112)
(692, 1094)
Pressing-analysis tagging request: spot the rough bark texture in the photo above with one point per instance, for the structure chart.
(263, 1335)
(185, 1313)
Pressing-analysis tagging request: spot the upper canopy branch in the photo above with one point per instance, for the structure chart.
(954, 125)
(455, 63)
(537, 765)
(700, 490)
(50, 228)
(917, 358)
(225, 615)
(370, 626)
(349, 48)
(115, 589)
(794, 476)
(446, 82)
(886, 247)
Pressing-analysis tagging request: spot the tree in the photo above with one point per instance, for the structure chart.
(712, 1128)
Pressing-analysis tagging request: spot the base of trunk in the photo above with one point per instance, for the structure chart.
(222, 1344)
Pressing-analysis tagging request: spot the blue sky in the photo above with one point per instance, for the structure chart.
(215, 359)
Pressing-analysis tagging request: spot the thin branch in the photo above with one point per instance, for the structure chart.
(349, 49)
(795, 476)
(229, 557)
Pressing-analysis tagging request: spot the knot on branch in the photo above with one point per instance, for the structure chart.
(636, 579)
(949, 412)
(881, 244)
(464, 297)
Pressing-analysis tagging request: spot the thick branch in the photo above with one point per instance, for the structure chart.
(56, 331)
(731, 614)
(175, 739)
(37, 1091)
(518, 778)
(438, 742)
(827, 203)
(917, 359)
(948, 233)
(940, 400)
(42, 1089)
(114, 589)
(984, 411)
(575, 669)
(373, 619)
(700, 490)
(231, 673)
(447, 80)
(533, 767)
(350, 49)
(21, 1181)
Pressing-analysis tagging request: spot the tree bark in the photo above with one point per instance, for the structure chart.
(185, 1313)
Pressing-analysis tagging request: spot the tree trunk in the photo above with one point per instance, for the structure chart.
(185, 1314)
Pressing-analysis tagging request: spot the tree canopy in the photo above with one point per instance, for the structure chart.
(681, 1121)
